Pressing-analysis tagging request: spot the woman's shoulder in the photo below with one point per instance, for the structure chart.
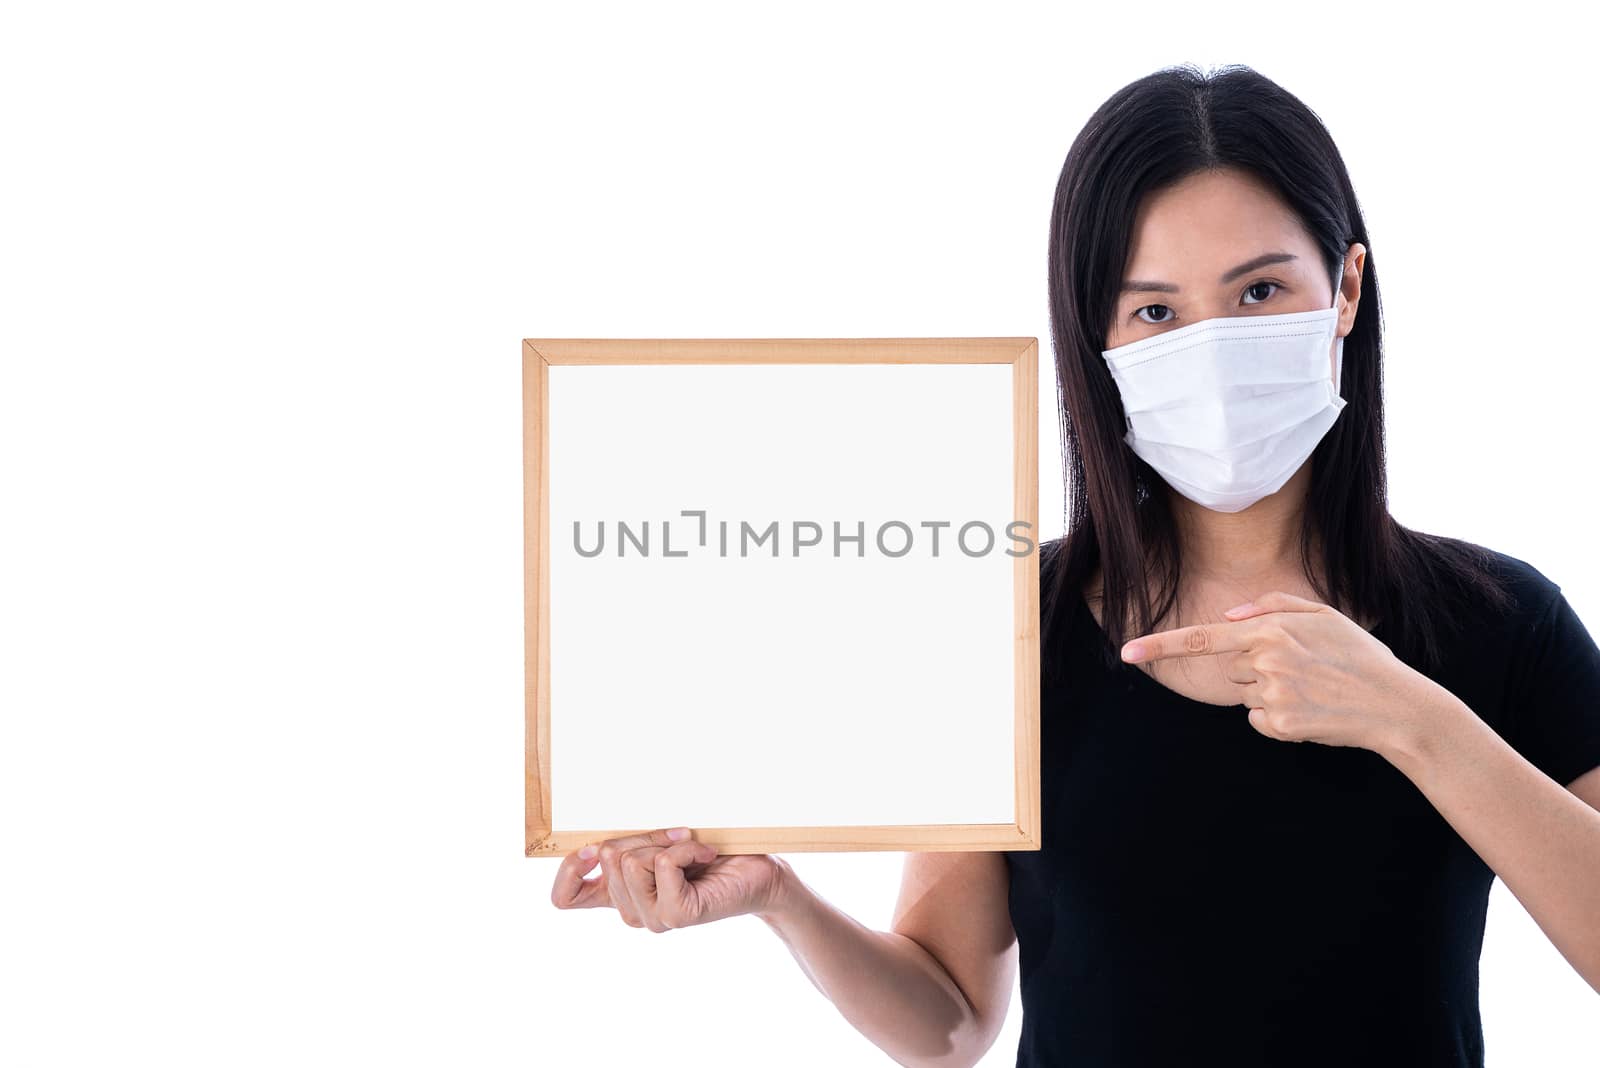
(1545, 668)
(1467, 611)
(1058, 610)
(1528, 590)
(1052, 558)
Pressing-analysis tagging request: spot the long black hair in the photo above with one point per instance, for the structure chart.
(1150, 134)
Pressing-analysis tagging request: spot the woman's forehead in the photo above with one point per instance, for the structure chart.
(1207, 226)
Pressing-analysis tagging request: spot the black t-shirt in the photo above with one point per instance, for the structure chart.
(1205, 894)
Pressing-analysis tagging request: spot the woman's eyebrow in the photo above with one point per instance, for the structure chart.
(1134, 285)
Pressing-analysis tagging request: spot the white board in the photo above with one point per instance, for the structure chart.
(783, 598)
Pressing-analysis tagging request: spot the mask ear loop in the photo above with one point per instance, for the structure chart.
(1338, 344)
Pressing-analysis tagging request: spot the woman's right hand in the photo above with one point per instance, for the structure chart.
(653, 881)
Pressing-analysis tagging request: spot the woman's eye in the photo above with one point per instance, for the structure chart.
(1254, 286)
(1153, 322)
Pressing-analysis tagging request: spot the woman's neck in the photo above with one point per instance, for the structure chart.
(1247, 549)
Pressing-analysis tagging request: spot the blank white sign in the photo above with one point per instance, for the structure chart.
(782, 594)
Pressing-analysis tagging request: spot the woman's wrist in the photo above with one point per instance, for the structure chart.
(789, 896)
(1423, 730)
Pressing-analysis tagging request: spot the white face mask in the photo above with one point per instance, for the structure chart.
(1227, 409)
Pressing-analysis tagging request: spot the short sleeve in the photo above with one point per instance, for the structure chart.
(1556, 710)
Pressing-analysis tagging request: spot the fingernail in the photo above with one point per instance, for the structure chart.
(1132, 651)
(678, 834)
(1238, 608)
(587, 851)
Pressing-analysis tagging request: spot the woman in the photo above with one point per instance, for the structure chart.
(1207, 890)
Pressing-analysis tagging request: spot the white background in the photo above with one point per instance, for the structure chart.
(265, 274)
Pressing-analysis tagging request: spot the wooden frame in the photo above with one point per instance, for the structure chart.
(541, 838)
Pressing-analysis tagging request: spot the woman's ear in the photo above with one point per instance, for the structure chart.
(1358, 260)
(1355, 256)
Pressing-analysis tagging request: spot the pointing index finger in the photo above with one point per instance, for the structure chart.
(1200, 639)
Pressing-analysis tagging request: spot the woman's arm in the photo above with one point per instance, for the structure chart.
(1309, 673)
(892, 988)
(1540, 838)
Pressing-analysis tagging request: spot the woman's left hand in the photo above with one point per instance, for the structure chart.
(1309, 672)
